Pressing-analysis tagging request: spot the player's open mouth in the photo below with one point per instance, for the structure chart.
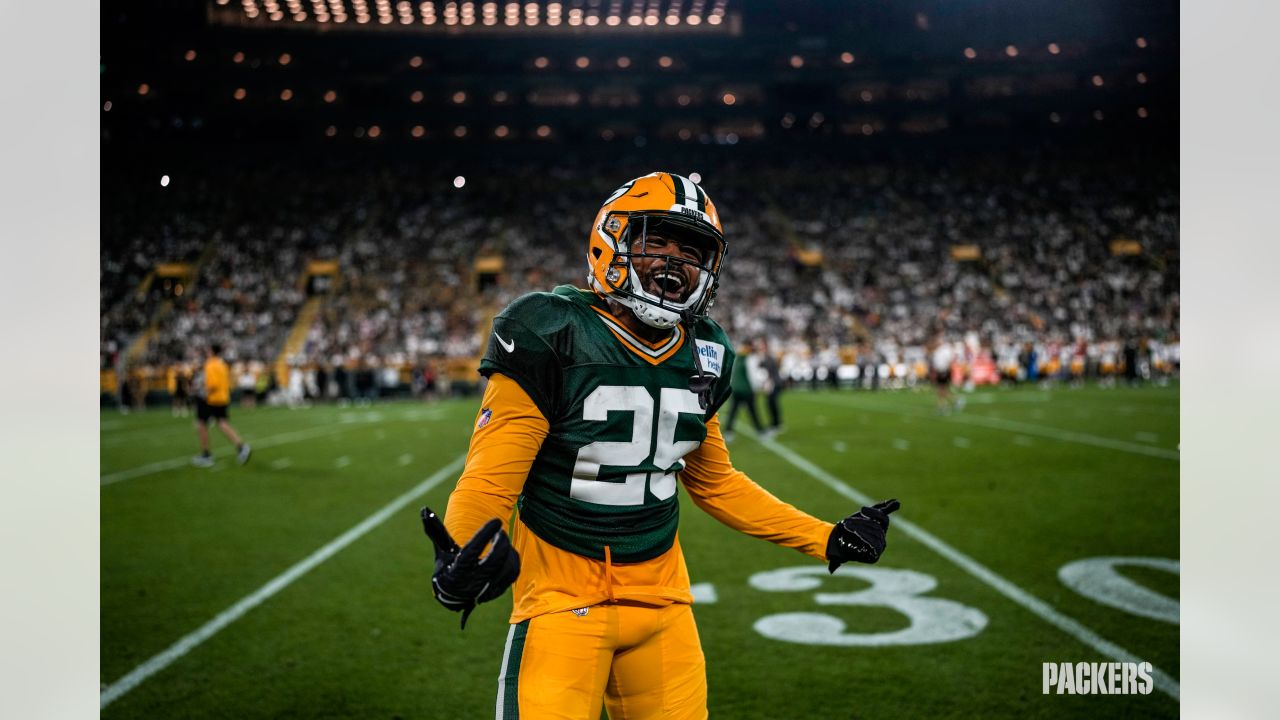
(668, 285)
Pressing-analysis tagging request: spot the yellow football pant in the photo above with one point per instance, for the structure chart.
(641, 661)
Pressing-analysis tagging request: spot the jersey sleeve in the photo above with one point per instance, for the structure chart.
(508, 433)
(728, 495)
(521, 347)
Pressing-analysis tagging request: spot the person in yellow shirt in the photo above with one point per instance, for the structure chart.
(601, 403)
(213, 396)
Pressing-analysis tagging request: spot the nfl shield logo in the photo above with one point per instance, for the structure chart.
(485, 416)
(580, 612)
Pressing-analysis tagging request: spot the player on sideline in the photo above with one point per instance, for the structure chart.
(600, 404)
(211, 404)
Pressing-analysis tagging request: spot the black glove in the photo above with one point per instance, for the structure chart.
(860, 537)
(462, 579)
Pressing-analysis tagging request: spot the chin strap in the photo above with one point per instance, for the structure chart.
(701, 383)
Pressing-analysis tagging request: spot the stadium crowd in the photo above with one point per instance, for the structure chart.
(1064, 257)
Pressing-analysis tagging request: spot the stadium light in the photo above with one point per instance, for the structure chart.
(1141, 42)
(543, 131)
(143, 89)
(624, 62)
(1011, 51)
(1097, 81)
(664, 62)
(190, 55)
(286, 95)
(238, 94)
(846, 58)
(330, 96)
(459, 181)
(164, 181)
(418, 131)
(415, 61)
(415, 97)
(374, 131)
(695, 177)
(1142, 78)
(797, 62)
(970, 53)
(330, 131)
(1054, 49)
(238, 57)
(1142, 113)
(106, 106)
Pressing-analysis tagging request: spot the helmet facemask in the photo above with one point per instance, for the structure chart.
(695, 279)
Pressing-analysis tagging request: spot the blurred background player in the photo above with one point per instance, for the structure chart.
(179, 382)
(744, 393)
(940, 360)
(211, 404)
(771, 372)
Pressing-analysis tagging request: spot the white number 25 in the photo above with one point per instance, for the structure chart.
(666, 451)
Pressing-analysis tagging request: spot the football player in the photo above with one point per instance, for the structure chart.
(213, 395)
(600, 404)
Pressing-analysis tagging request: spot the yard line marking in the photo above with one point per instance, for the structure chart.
(1022, 427)
(1146, 437)
(342, 462)
(1022, 440)
(704, 593)
(281, 464)
(404, 459)
(139, 674)
(1045, 611)
(258, 444)
(961, 442)
(900, 444)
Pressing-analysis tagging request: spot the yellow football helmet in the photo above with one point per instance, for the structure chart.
(677, 206)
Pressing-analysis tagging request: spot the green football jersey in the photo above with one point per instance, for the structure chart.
(621, 417)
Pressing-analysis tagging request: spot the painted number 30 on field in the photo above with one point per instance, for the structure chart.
(932, 619)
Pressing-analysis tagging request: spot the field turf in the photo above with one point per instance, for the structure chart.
(996, 499)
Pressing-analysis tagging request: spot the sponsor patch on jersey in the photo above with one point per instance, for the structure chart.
(711, 355)
(485, 416)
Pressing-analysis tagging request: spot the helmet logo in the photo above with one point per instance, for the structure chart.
(613, 225)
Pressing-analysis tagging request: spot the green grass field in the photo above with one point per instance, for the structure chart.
(995, 500)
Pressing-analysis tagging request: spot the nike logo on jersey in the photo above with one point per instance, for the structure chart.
(508, 345)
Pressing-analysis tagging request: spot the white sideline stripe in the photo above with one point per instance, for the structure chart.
(502, 675)
(1042, 609)
(1028, 428)
(278, 583)
(258, 444)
